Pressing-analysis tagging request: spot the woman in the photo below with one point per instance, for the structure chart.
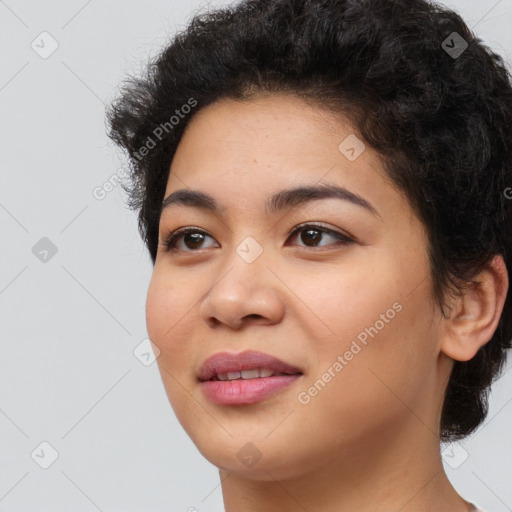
(324, 189)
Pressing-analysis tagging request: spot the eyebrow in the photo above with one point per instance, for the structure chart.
(280, 201)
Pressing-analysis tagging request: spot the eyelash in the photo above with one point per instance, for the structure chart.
(170, 242)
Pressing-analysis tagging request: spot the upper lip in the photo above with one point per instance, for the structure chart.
(224, 362)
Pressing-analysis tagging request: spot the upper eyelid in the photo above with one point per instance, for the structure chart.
(314, 224)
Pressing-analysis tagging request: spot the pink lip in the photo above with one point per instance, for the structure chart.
(244, 391)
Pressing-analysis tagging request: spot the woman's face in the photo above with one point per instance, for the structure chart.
(352, 313)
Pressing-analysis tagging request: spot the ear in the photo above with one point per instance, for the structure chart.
(475, 316)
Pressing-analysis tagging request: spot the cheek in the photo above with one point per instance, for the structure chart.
(158, 304)
(166, 321)
(348, 299)
(377, 326)
(169, 311)
(374, 387)
(167, 303)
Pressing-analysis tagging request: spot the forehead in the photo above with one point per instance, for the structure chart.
(237, 151)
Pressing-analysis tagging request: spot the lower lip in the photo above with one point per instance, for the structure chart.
(245, 391)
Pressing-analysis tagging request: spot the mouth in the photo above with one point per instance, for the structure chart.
(244, 365)
(244, 378)
(257, 373)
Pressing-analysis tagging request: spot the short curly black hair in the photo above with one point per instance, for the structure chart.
(418, 86)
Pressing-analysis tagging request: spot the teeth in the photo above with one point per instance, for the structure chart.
(248, 374)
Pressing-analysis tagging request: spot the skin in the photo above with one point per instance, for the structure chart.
(370, 438)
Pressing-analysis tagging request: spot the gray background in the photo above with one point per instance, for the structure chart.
(70, 323)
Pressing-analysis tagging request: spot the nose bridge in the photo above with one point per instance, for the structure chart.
(245, 289)
(247, 238)
(245, 261)
(249, 249)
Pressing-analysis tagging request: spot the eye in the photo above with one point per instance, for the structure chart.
(193, 237)
(312, 233)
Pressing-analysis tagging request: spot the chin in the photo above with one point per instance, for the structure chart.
(262, 460)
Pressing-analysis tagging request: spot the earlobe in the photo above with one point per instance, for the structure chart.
(476, 314)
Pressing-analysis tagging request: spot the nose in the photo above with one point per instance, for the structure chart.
(245, 294)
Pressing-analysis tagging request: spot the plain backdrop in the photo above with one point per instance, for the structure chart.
(85, 423)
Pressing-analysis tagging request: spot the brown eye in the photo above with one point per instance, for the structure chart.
(311, 235)
(192, 238)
